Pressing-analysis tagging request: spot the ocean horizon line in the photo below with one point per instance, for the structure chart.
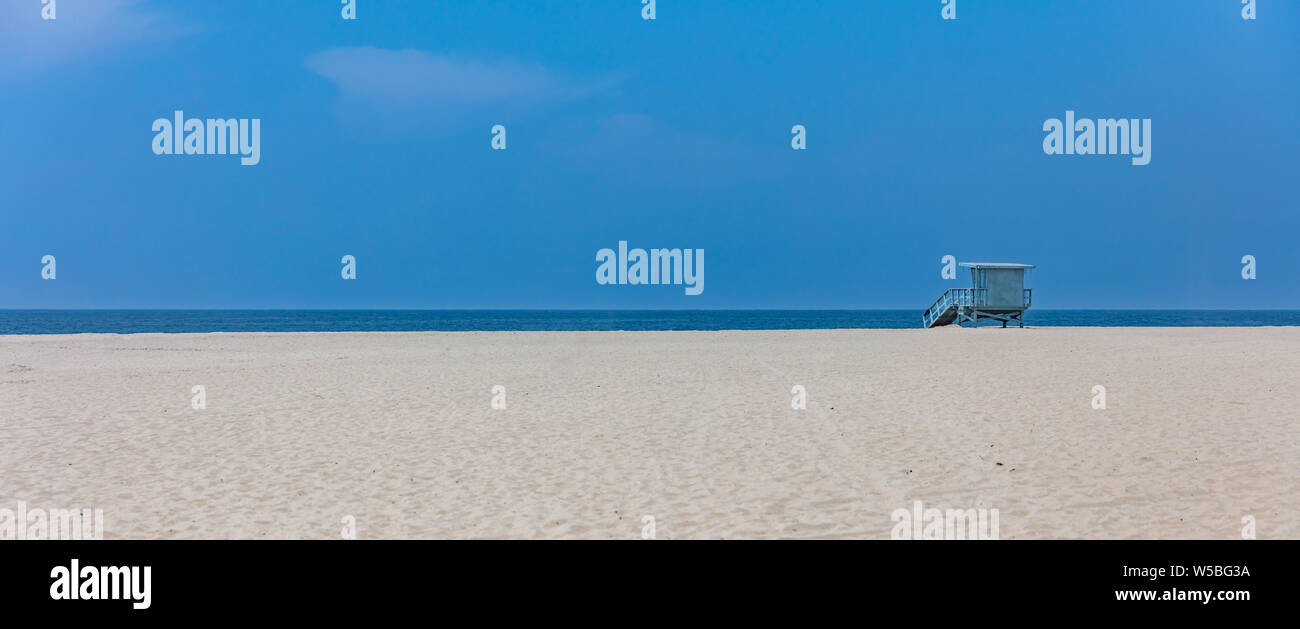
(467, 309)
(132, 321)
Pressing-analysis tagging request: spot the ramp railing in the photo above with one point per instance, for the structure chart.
(953, 298)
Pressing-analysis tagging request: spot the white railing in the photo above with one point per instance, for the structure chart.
(954, 297)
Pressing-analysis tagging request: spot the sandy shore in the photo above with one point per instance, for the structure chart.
(1201, 428)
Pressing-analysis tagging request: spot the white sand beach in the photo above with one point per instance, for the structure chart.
(1201, 428)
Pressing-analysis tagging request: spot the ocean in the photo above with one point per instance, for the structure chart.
(173, 321)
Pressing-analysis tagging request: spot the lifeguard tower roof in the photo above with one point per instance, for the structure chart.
(995, 265)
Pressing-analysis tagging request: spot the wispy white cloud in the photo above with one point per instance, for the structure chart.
(419, 76)
(82, 29)
(382, 82)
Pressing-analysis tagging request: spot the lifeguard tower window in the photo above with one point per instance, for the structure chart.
(997, 294)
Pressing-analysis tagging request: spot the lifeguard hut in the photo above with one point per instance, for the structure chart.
(997, 293)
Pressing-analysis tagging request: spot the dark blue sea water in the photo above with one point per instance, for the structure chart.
(134, 321)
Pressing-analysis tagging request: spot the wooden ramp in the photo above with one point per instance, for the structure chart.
(939, 316)
(947, 307)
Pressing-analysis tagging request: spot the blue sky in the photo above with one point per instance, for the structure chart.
(924, 139)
